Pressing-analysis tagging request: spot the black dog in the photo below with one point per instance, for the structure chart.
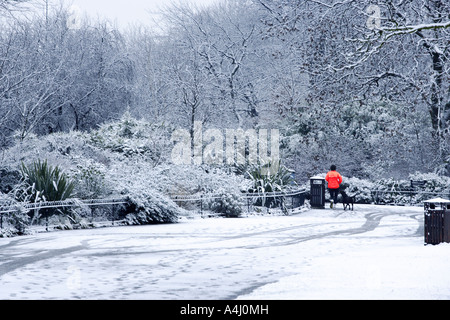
(347, 200)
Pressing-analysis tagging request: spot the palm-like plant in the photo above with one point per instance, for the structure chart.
(270, 177)
(46, 183)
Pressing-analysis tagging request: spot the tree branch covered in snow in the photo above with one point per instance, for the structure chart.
(8, 5)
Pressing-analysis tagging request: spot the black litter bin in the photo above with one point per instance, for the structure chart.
(317, 192)
(437, 221)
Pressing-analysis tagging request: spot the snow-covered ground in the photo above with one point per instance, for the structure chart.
(375, 252)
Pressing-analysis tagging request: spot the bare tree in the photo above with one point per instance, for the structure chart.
(223, 40)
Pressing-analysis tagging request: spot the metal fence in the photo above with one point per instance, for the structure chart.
(106, 209)
(404, 197)
(284, 201)
(414, 194)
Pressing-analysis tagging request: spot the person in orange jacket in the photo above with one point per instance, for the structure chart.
(334, 179)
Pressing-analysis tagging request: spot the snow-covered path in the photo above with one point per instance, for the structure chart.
(375, 252)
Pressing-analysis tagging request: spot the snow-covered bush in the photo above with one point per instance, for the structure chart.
(65, 150)
(16, 222)
(392, 191)
(90, 179)
(226, 203)
(191, 179)
(434, 183)
(266, 178)
(151, 207)
(131, 137)
(359, 188)
(75, 218)
(136, 181)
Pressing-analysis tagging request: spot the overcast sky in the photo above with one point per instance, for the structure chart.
(125, 12)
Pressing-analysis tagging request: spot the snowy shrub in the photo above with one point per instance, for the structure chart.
(150, 207)
(359, 188)
(131, 137)
(434, 183)
(269, 178)
(90, 179)
(75, 218)
(191, 179)
(19, 221)
(65, 150)
(225, 203)
(16, 222)
(42, 182)
(135, 181)
(392, 191)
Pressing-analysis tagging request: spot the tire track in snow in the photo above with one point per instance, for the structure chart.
(373, 220)
(34, 257)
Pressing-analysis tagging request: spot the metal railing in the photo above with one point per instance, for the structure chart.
(286, 200)
(58, 204)
(404, 197)
(8, 207)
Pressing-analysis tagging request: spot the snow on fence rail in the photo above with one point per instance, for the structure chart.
(410, 197)
(10, 206)
(207, 196)
(14, 207)
(297, 198)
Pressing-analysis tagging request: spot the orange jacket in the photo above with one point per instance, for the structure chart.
(334, 179)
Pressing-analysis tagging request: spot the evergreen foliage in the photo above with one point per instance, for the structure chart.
(270, 177)
(46, 183)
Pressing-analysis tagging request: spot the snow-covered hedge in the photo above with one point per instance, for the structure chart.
(396, 191)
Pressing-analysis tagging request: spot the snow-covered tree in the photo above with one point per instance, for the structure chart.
(54, 79)
(356, 52)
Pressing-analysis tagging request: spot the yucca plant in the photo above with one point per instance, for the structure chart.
(270, 177)
(46, 183)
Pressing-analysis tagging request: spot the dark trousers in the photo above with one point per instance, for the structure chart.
(333, 194)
